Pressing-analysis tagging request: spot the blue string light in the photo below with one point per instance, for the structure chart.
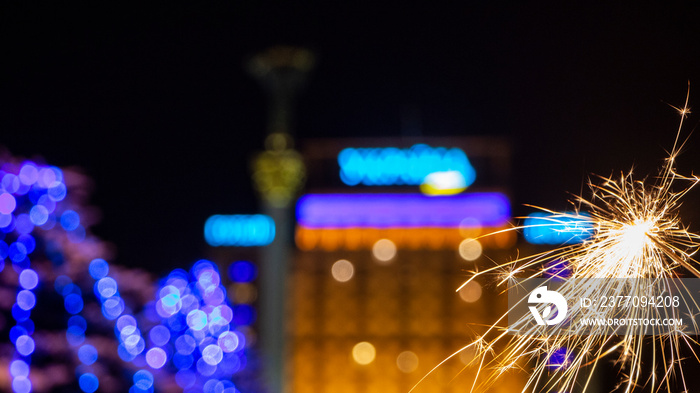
(23, 199)
(189, 329)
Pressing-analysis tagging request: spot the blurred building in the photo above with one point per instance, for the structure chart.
(372, 304)
(356, 284)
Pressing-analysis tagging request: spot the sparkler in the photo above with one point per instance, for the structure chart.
(637, 234)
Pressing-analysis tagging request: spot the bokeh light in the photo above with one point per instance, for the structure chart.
(363, 353)
(73, 303)
(19, 368)
(407, 361)
(384, 250)
(24, 345)
(88, 383)
(98, 268)
(87, 354)
(159, 335)
(342, 270)
(470, 249)
(212, 354)
(26, 299)
(471, 292)
(156, 357)
(242, 271)
(28, 279)
(143, 379)
(21, 385)
(107, 287)
(7, 203)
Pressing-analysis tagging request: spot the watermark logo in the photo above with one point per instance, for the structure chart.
(553, 299)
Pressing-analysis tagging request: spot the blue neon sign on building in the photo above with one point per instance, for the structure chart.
(543, 228)
(393, 166)
(239, 230)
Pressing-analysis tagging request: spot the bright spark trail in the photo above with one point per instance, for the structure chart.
(637, 233)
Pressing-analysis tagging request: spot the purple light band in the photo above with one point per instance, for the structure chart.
(401, 210)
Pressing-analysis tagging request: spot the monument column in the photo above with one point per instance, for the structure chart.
(278, 175)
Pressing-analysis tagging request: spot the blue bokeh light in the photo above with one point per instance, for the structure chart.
(87, 354)
(24, 345)
(70, 220)
(159, 335)
(78, 322)
(73, 303)
(28, 241)
(229, 342)
(156, 357)
(26, 300)
(185, 344)
(19, 368)
(99, 268)
(75, 335)
(113, 307)
(57, 192)
(185, 378)
(243, 314)
(107, 287)
(212, 354)
(28, 174)
(21, 385)
(28, 279)
(88, 383)
(39, 215)
(242, 271)
(205, 368)
(181, 361)
(17, 252)
(8, 203)
(17, 331)
(23, 224)
(20, 314)
(197, 319)
(143, 379)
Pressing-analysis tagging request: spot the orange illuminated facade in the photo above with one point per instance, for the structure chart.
(375, 309)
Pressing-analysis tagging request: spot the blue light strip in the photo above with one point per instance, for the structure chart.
(393, 166)
(544, 228)
(401, 210)
(239, 230)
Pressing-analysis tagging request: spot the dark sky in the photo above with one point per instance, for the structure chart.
(153, 101)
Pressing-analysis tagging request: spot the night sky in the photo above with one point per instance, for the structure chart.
(153, 101)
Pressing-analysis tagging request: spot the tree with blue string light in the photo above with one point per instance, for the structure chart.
(75, 322)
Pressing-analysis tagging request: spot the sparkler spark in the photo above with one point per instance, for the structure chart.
(637, 234)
